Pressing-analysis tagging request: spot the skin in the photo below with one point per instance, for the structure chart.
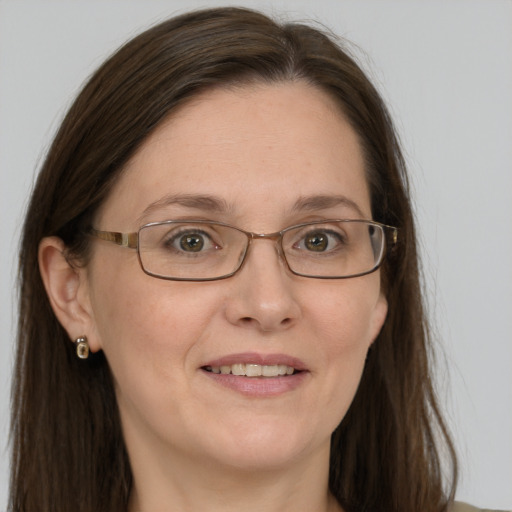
(194, 444)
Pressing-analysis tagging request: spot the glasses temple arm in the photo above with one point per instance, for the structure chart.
(123, 239)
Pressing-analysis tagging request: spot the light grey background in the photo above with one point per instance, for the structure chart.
(445, 68)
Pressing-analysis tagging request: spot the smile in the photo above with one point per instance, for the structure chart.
(257, 375)
(253, 370)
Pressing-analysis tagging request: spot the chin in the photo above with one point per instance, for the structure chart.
(268, 445)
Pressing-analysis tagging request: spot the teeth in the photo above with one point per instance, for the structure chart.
(238, 369)
(253, 370)
(270, 371)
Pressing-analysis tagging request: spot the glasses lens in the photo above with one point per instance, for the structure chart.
(191, 250)
(187, 250)
(334, 249)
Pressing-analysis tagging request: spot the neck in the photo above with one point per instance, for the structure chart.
(185, 485)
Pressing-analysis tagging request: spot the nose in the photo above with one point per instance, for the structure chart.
(263, 295)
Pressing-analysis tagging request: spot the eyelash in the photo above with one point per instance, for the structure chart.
(174, 236)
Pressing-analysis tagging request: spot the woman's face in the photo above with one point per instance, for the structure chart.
(261, 158)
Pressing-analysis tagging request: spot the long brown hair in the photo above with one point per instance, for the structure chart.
(67, 449)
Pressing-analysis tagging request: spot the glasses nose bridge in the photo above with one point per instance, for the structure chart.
(266, 236)
(276, 237)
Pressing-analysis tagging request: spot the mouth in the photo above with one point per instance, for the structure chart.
(253, 370)
(257, 375)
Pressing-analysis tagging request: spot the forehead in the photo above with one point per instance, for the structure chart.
(251, 146)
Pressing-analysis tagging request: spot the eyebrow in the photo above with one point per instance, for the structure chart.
(214, 204)
(198, 202)
(323, 202)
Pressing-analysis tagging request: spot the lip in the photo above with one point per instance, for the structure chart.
(257, 358)
(258, 387)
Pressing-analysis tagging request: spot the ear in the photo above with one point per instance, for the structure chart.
(67, 289)
(379, 316)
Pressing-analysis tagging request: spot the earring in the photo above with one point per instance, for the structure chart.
(82, 347)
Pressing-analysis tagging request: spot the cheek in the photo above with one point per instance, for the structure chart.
(346, 313)
(157, 326)
(345, 319)
(151, 332)
(145, 326)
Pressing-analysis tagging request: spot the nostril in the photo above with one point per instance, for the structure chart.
(249, 321)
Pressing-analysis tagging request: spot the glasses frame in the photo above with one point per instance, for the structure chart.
(131, 241)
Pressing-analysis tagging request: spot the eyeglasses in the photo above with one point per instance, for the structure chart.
(189, 250)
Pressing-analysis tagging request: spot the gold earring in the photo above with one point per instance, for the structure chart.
(82, 347)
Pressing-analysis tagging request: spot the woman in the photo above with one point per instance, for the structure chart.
(170, 357)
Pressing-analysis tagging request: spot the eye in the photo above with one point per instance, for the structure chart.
(320, 240)
(190, 241)
(317, 242)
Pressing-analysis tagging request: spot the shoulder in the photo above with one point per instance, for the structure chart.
(464, 507)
